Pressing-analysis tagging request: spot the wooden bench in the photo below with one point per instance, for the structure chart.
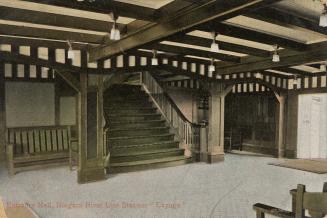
(31, 148)
(314, 202)
(233, 140)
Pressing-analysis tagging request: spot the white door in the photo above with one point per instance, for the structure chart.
(312, 126)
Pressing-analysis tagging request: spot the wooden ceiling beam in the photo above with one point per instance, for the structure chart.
(204, 42)
(35, 32)
(58, 20)
(252, 35)
(283, 18)
(194, 52)
(105, 7)
(218, 10)
(293, 71)
(314, 53)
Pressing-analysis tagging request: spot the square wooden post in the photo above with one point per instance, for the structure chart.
(2, 112)
(91, 160)
(281, 125)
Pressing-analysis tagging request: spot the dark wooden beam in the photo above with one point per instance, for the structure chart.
(214, 10)
(314, 53)
(35, 42)
(2, 112)
(195, 52)
(23, 59)
(49, 34)
(252, 35)
(286, 18)
(105, 7)
(204, 42)
(70, 79)
(293, 71)
(58, 20)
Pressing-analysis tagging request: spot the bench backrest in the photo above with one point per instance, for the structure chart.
(36, 139)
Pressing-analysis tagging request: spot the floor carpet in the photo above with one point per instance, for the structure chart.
(314, 166)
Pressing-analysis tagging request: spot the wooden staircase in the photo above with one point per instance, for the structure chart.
(138, 137)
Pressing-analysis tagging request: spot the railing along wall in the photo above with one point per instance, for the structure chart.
(188, 132)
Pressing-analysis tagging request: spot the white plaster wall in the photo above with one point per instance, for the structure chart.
(312, 126)
(30, 104)
(184, 100)
(67, 111)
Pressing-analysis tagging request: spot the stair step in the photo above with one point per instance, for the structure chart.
(145, 155)
(135, 140)
(140, 110)
(138, 147)
(148, 164)
(137, 132)
(133, 117)
(126, 104)
(137, 124)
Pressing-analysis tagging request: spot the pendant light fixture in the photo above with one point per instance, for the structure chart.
(214, 45)
(276, 57)
(323, 17)
(258, 75)
(115, 32)
(154, 60)
(71, 54)
(295, 80)
(212, 68)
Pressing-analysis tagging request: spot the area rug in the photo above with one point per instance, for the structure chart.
(314, 166)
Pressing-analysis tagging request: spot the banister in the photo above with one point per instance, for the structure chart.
(188, 132)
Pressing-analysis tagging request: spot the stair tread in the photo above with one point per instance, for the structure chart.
(150, 161)
(133, 115)
(141, 136)
(144, 145)
(154, 151)
(138, 129)
(137, 121)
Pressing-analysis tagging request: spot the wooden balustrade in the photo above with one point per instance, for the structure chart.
(188, 132)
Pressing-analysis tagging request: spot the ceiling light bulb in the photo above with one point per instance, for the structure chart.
(154, 61)
(276, 58)
(214, 47)
(258, 75)
(295, 81)
(71, 54)
(323, 17)
(212, 68)
(323, 67)
(114, 33)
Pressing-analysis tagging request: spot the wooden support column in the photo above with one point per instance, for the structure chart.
(214, 152)
(57, 101)
(91, 157)
(2, 112)
(281, 124)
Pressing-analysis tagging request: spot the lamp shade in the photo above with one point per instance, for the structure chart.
(71, 54)
(276, 58)
(214, 47)
(154, 61)
(323, 20)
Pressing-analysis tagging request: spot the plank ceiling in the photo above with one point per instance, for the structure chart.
(292, 24)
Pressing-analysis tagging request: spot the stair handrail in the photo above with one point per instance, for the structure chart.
(187, 131)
